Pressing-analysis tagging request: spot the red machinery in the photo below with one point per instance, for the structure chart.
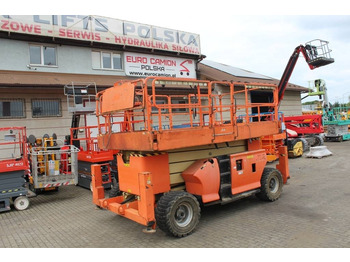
(81, 102)
(175, 155)
(316, 54)
(307, 126)
(90, 154)
(13, 167)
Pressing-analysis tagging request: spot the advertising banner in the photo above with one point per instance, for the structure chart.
(142, 65)
(103, 30)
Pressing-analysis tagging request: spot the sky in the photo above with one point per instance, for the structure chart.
(258, 36)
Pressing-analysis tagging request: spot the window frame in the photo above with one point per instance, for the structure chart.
(179, 101)
(155, 110)
(111, 53)
(42, 58)
(14, 99)
(47, 99)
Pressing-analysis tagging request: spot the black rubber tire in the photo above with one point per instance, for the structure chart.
(318, 140)
(294, 150)
(177, 213)
(115, 190)
(271, 185)
(306, 146)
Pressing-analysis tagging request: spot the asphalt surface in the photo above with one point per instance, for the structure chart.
(313, 211)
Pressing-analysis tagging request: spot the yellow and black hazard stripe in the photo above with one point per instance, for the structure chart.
(143, 154)
(147, 154)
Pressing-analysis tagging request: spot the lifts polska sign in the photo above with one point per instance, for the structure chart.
(103, 30)
(142, 65)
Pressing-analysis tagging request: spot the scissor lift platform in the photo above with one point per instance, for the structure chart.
(202, 120)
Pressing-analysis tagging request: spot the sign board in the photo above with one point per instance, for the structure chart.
(142, 65)
(103, 30)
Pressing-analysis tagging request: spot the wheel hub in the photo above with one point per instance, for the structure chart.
(273, 185)
(183, 215)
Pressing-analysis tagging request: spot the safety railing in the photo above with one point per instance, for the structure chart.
(80, 97)
(54, 166)
(159, 104)
(13, 149)
(318, 48)
(87, 136)
(336, 115)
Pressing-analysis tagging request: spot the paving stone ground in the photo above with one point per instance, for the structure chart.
(313, 211)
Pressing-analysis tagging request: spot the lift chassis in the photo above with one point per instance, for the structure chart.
(176, 157)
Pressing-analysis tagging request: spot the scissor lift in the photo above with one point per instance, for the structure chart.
(13, 167)
(337, 121)
(81, 103)
(183, 144)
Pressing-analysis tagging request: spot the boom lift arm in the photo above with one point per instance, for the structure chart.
(316, 54)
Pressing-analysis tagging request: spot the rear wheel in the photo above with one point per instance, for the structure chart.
(21, 203)
(271, 184)
(295, 148)
(115, 191)
(318, 141)
(306, 146)
(177, 213)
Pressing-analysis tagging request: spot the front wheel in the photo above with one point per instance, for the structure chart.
(115, 191)
(177, 213)
(21, 203)
(271, 184)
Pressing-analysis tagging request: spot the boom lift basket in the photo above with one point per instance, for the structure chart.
(54, 166)
(318, 52)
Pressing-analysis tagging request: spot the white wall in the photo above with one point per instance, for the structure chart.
(14, 55)
(39, 126)
(291, 104)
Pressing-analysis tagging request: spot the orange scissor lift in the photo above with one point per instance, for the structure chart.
(175, 155)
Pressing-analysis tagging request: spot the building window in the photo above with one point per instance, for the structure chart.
(42, 55)
(179, 108)
(46, 107)
(106, 60)
(12, 108)
(155, 110)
